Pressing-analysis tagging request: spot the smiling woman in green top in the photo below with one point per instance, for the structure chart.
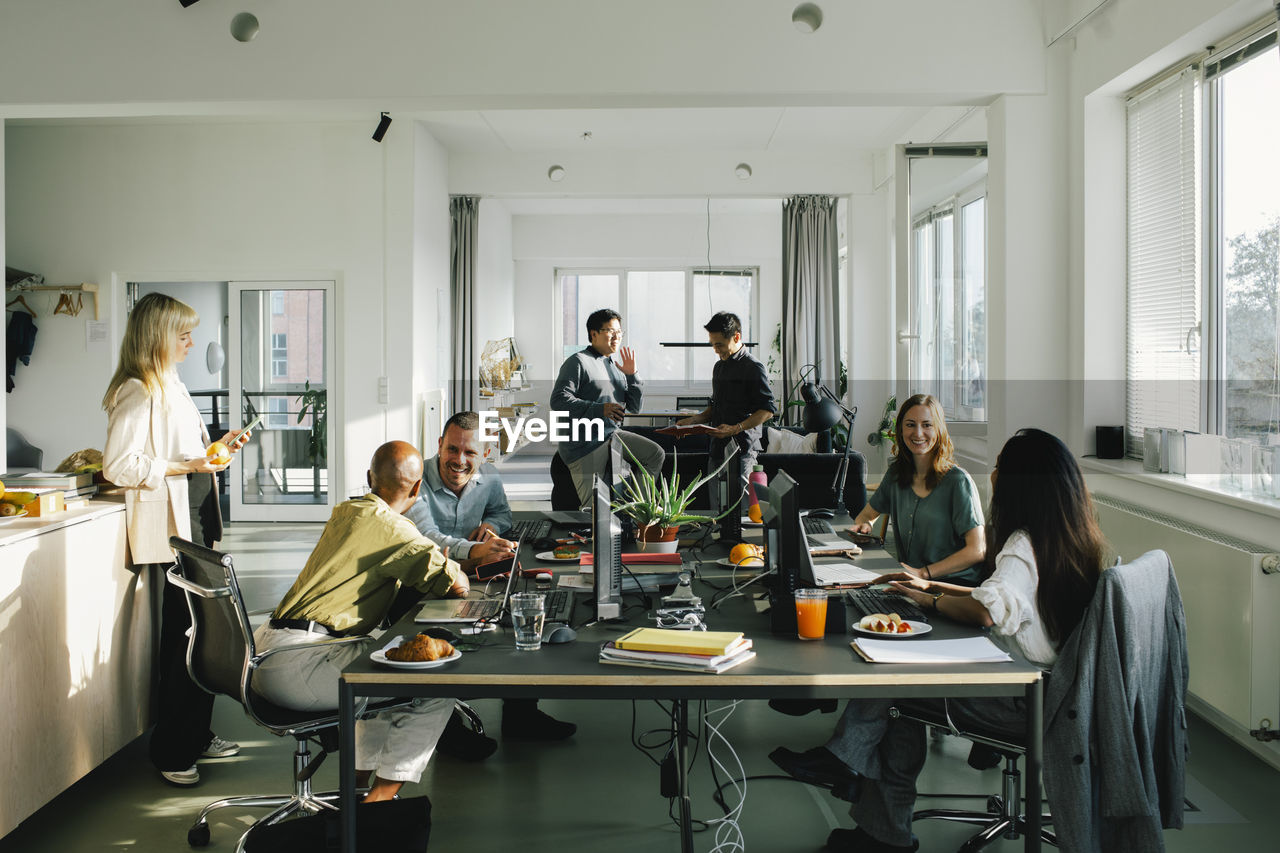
(932, 502)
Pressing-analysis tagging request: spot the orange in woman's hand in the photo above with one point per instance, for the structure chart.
(220, 453)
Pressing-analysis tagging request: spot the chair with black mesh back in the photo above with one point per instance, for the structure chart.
(1153, 677)
(222, 659)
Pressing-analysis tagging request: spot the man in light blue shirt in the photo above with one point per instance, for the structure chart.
(593, 387)
(463, 507)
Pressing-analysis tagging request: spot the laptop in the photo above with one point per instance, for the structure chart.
(474, 608)
(820, 535)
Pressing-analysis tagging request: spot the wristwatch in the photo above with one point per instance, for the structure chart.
(937, 598)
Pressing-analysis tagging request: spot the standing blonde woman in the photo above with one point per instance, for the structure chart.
(156, 443)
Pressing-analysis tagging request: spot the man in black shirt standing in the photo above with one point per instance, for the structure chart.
(741, 401)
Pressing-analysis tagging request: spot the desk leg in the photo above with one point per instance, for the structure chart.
(1034, 762)
(680, 710)
(347, 766)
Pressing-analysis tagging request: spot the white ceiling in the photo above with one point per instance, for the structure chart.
(776, 129)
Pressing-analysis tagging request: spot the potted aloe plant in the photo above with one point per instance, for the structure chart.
(659, 506)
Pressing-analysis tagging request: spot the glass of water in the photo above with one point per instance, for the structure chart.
(527, 614)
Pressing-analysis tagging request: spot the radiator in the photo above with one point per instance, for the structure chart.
(1231, 594)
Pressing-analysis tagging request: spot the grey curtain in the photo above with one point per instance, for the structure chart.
(810, 295)
(464, 213)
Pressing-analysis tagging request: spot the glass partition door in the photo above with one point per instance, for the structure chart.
(281, 368)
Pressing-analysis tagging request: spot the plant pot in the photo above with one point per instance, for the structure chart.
(660, 540)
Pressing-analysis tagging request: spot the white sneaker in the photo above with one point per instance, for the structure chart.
(182, 778)
(219, 748)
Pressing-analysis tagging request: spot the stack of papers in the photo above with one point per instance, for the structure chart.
(665, 648)
(968, 650)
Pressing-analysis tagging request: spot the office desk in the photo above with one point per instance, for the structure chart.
(783, 668)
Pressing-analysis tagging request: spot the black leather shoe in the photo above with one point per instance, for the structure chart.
(534, 725)
(857, 841)
(819, 767)
(800, 707)
(458, 741)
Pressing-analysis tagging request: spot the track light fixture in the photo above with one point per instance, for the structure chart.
(383, 124)
(186, 3)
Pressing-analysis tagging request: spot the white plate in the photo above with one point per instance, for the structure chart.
(16, 515)
(917, 628)
(550, 557)
(746, 522)
(753, 563)
(380, 656)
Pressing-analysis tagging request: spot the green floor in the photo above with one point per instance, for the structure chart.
(594, 792)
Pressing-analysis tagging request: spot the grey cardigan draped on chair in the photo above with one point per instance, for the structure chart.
(1115, 717)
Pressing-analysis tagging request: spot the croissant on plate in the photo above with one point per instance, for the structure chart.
(421, 648)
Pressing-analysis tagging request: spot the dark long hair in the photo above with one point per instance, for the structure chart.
(944, 452)
(1039, 488)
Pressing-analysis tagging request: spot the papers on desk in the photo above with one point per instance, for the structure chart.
(967, 650)
(842, 574)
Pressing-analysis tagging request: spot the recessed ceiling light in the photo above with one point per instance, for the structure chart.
(743, 171)
(555, 173)
(807, 17)
(586, 136)
(244, 27)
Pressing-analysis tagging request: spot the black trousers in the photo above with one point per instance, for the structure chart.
(183, 709)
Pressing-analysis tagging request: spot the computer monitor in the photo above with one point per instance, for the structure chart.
(606, 552)
(725, 494)
(795, 565)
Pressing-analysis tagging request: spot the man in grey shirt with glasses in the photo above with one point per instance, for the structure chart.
(593, 387)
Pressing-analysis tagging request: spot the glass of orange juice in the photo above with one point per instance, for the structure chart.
(811, 614)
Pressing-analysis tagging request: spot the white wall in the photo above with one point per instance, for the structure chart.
(495, 275)
(211, 202)
(431, 318)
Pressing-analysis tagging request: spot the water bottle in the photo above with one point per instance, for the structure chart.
(757, 478)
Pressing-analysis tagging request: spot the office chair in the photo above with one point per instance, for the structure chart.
(22, 453)
(222, 659)
(1149, 613)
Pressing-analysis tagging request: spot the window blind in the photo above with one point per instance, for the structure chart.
(1162, 370)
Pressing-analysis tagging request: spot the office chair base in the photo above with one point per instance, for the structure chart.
(996, 825)
(283, 807)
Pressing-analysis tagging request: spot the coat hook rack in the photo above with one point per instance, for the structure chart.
(84, 287)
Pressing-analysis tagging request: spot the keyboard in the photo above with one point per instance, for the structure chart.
(868, 601)
(530, 529)
(479, 608)
(817, 526)
(558, 605)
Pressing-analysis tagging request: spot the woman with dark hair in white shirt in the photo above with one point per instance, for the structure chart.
(1049, 555)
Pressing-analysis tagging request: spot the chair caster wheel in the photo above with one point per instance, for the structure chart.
(198, 835)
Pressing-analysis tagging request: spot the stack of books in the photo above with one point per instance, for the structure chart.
(668, 648)
(71, 485)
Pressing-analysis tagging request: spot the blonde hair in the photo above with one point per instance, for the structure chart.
(944, 452)
(145, 353)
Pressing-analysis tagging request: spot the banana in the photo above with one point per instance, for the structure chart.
(19, 499)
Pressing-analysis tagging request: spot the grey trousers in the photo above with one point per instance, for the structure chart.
(889, 754)
(395, 744)
(649, 453)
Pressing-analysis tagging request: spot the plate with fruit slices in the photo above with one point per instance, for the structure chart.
(890, 627)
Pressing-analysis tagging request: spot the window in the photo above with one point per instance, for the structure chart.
(279, 355)
(1204, 221)
(947, 304)
(278, 413)
(658, 305)
(277, 302)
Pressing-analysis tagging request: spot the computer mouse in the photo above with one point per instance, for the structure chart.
(441, 634)
(542, 578)
(561, 634)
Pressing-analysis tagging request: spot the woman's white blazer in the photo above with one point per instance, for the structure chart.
(144, 434)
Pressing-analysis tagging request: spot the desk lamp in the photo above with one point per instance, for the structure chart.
(822, 411)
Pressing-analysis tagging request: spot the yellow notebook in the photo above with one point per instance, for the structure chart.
(680, 642)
